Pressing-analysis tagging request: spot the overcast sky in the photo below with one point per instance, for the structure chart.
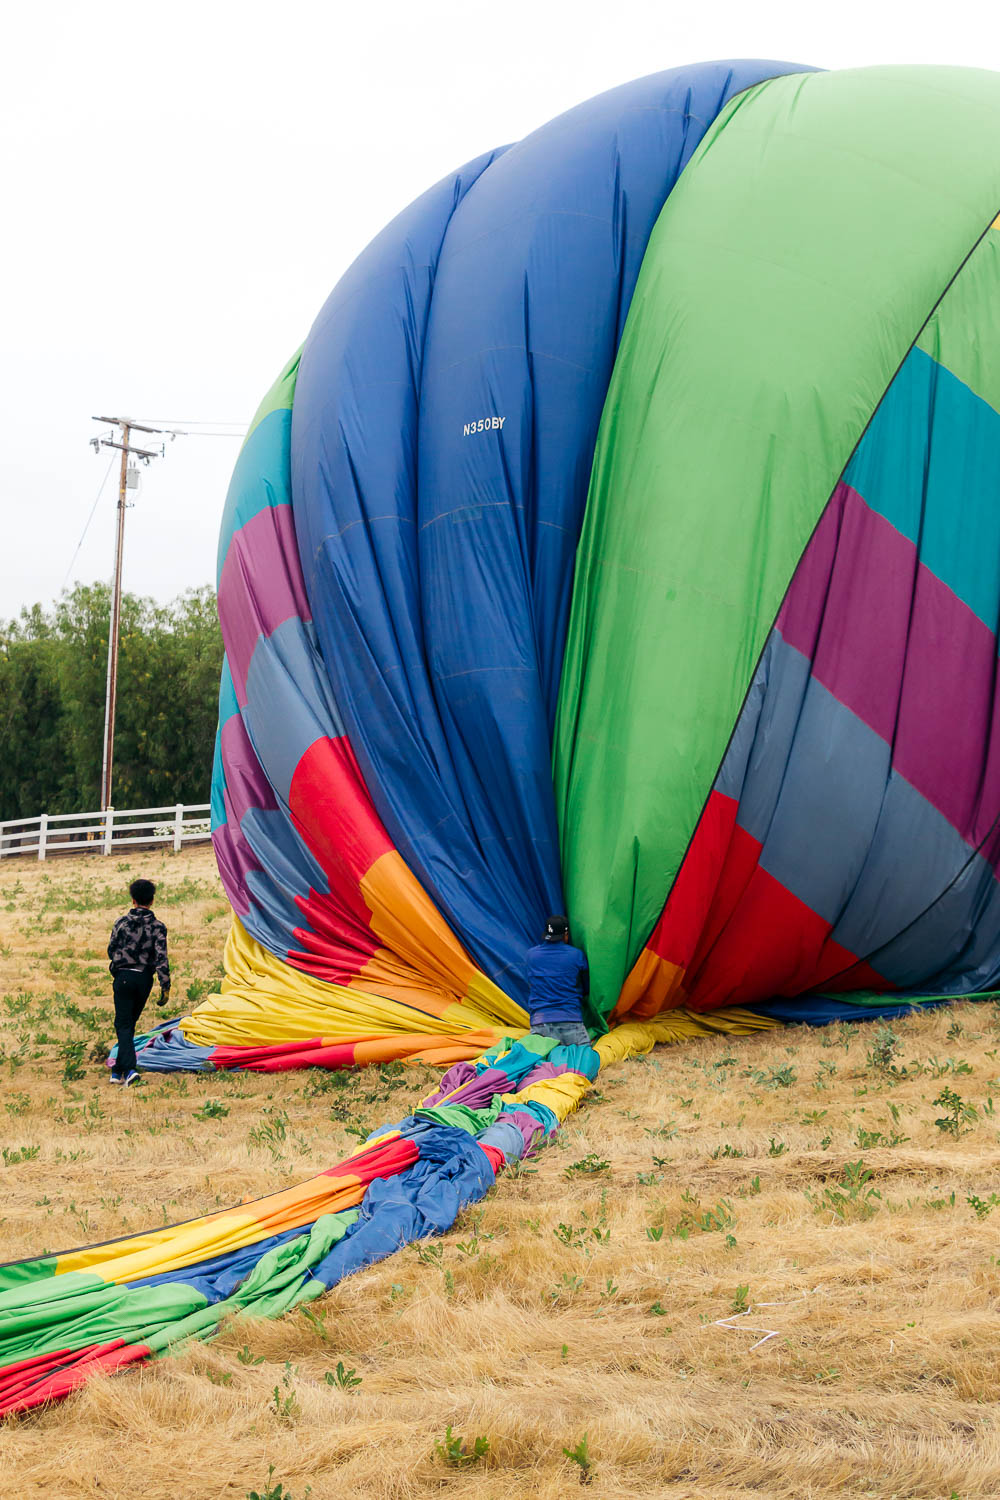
(183, 183)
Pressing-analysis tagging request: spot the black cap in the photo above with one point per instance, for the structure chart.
(556, 929)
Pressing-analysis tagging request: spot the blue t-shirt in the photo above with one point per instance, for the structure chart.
(558, 980)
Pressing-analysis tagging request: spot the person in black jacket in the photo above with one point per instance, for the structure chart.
(138, 951)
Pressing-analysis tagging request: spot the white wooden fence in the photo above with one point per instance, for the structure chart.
(104, 832)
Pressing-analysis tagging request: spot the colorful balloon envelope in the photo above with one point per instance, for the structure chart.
(625, 540)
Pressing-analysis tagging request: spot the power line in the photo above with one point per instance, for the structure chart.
(93, 511)
(194, 422)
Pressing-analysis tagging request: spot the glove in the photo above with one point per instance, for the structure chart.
(163, 997)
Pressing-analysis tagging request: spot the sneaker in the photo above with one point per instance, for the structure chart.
(116, 1078)
(133, 1077)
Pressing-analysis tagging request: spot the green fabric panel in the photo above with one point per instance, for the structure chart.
(23, 1301)
(791, 269)
(97, 1317)
(877, 998)
(20, 1272)
(463, 1116)
(278, 1281)
(279, 397)
(964, 333)
(87, 1310)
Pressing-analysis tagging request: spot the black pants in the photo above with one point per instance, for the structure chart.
(131, 991)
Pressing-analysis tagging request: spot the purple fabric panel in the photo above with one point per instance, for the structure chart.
(458, 1074)
(542, 1074)
(241, 861)
(480, 1090)
(947, 737)
(898, 648)
(246, 784)
(801, 613)
(233, 867)
(260, 586)
(522, 1121)
(848, 608)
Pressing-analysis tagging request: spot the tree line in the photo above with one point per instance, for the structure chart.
(53, 665)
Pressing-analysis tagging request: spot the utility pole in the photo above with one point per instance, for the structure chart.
(127, 427)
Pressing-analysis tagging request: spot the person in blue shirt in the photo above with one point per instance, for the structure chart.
(558, 982)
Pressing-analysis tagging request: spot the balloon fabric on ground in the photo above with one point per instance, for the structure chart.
(620, 541)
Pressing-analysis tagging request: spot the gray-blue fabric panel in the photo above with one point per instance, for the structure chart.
(289, 705)
(506, 1138)
(833, 776)
(959, 928)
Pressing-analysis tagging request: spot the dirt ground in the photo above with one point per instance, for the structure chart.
(761, 1266)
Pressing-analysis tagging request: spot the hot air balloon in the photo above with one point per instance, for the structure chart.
(624, 540)
(621, 541)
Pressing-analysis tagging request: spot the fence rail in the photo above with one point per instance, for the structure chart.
(104, 832)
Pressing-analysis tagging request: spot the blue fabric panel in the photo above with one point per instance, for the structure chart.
(288, 869)
(955, 946)
(161, 1053)
(820, 1010)
(218, 1277)
(274, 839)
(583, 1060)
(354, 436)
(547, 1118)
(770, 715)
(438, 560)
(424, 1200)
(913, 481)
(828, 806)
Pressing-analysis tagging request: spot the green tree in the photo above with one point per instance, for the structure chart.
(53, 666)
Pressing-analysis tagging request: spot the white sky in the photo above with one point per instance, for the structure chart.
(184, 182)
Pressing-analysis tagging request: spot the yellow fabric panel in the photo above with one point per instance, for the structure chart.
(90, 1257)
(562, 1095)
(632, 1038)
(264, 1000)
(180, 1245)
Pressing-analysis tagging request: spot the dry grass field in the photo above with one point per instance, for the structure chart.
(762, 1266)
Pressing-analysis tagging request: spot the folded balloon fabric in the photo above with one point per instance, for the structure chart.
(67, 1317)
(621, 542)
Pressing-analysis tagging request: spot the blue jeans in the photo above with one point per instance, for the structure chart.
(566, 1033)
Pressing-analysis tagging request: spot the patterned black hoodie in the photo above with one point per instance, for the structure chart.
(139, 941)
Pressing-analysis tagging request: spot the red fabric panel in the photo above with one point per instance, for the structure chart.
(687, 909)
(497, 1159)
(772, 945)
(50, 1377)
(384, 1159)
(331, 807)
(741, 936)
(285, 1055)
